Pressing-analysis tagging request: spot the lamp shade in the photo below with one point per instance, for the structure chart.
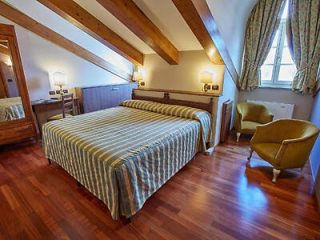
(137, 76)
(59, 79)
(206, 77)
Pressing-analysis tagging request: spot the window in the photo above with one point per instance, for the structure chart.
(279, 69)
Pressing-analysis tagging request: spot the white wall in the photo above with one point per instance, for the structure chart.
(231, 17)
(185, 76)
(303, 104)
(41, 57)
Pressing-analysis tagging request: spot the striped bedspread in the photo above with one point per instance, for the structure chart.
(124, 154)
(11, 109)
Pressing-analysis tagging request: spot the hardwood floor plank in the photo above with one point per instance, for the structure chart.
(213, 197)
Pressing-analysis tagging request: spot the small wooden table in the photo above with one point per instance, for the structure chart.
(43, 109)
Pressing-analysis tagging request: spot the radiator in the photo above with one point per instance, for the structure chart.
(279, 110)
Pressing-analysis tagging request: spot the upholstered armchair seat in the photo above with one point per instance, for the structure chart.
(267, 151)
(249, 127)
(284, 143)
(249, 116)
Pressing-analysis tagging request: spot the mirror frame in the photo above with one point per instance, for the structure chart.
(7, 32)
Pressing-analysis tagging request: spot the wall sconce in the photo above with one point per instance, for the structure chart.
(206, 79)
(209, 79)
(137, 77)
(215, 81)
(59, 79)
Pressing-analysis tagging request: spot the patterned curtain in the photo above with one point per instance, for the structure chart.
(261, 29)
(303, 32)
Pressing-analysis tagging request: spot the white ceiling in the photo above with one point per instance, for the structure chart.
(168, 19)
(162, 13)
(114, 24)
(45, 16)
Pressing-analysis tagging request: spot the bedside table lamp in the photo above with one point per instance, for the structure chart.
(137, 77)
(206, 79)
(59, 79)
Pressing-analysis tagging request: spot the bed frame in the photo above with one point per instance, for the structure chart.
(167, 100)
(209, 107)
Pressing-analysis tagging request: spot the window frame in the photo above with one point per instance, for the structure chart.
(274, 82)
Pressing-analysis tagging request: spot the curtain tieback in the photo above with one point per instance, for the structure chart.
(251, 64)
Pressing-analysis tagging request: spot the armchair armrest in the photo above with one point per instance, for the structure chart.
(266, 117)
(262, 134)
(240, 112)
(297, 140)
(295, 152)
(239, 118)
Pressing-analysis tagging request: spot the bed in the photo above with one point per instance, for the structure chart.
(123, 155)
(11, 109)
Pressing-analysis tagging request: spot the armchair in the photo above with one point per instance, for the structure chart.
(249, 116)
(284, 143)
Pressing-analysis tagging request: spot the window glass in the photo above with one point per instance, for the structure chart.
(266, 72)
(271, 56)
(279, 69)
(287, 73)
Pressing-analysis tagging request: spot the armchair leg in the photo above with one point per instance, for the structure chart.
(276, 173)
(238, 136)
(249, 158)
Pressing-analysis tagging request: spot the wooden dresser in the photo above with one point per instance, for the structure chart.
(102, 97)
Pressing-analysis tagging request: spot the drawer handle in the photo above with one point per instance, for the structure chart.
(115, 89)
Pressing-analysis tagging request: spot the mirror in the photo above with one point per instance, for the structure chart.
(11, 107)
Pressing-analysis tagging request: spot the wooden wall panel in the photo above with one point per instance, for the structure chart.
(102, 97)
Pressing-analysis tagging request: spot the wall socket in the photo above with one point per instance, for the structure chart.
(215, 87)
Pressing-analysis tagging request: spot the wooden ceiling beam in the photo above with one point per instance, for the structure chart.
(198, 16)
(30, 24)
(127, 12)
(82, 19)
(4, 50)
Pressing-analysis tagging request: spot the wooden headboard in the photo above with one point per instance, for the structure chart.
(167, 100)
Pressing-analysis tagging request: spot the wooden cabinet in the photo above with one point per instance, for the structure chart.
(16, 120)
(102, 97)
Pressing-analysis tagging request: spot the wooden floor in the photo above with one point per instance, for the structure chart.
(213, 197)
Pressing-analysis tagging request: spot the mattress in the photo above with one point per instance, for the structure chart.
(123, 155)
(11, 109)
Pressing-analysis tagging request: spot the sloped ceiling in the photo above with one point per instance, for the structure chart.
(162, 13)
(45, 16)
(165, 15)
